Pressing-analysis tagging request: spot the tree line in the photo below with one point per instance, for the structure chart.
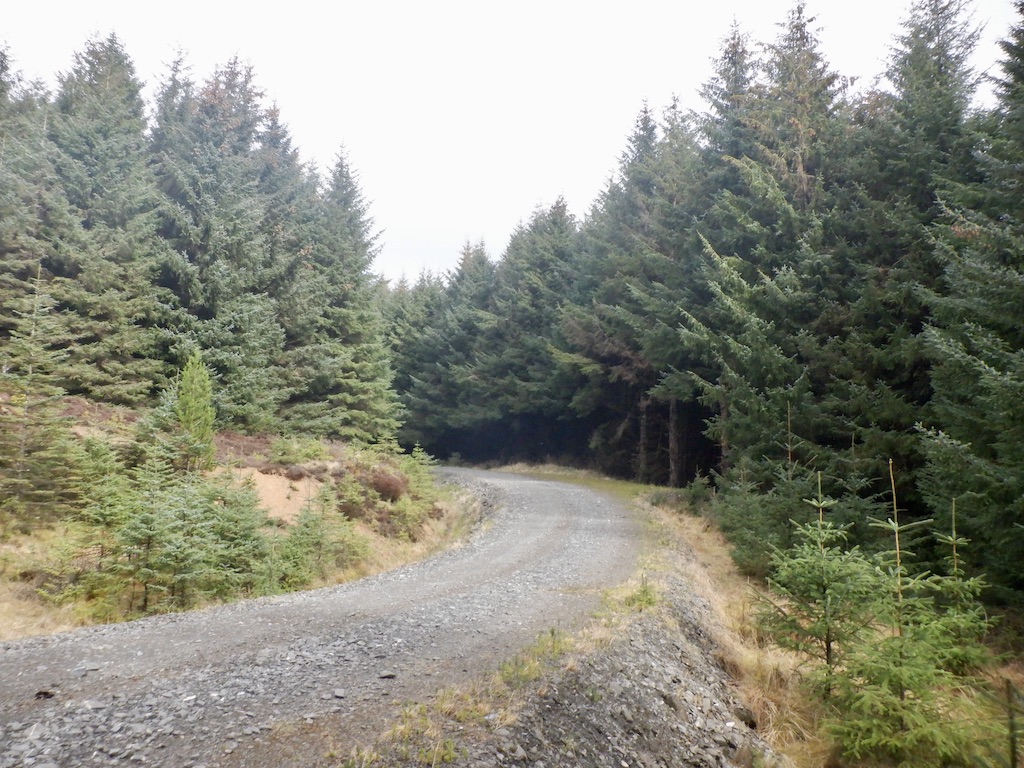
(198, 228)
(804, 279)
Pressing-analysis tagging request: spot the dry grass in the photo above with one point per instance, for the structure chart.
(282, 498)
(23, 611)
(767, 678)
(23, 614)
(421, 733)
(455, 519)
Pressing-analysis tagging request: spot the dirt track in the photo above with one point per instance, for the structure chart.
(270, 682)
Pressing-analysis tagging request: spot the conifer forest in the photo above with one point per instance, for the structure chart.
(802, 307)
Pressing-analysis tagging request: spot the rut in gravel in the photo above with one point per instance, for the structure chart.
(222, 685)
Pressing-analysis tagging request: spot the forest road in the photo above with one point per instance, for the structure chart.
(278, 681)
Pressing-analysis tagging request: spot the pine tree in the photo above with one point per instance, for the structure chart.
(823, 594)
(442, 415)
(220, 275)
(728, 127)
(934, 84)
(37, 225)
(410, 312)
(510, 371)
(897, 699)
(976, 347)
(619, 332)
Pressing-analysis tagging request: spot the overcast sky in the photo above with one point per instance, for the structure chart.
(461, 117)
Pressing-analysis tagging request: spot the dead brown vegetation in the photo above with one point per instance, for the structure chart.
(388, 484)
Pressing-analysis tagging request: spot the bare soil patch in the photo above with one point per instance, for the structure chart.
(280, 496)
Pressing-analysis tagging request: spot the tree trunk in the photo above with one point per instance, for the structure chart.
(642, 469)
(674, 463)
(723, 439)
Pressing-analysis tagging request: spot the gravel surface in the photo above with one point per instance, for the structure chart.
(656, 697)
(226, 686)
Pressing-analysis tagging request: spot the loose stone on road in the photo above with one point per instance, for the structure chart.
(203, 688)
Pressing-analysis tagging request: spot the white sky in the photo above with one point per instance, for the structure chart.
(460, 117)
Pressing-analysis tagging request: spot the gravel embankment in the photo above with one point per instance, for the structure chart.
(226, 685)
(656, 697)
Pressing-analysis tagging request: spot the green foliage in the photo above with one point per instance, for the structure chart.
(339, 375)
(957, 597)
(163, 540)
(893, 647)
(644, 596)
(1003, 750)
(159, 536)
(824, 595)
(321, 540)
(180, 429)
(431, 355)
(103, 282)
(394, 490)
(972, 443)
(39, 459)
(893, 704)
(194, 411)
(901, 696)
(785, 284)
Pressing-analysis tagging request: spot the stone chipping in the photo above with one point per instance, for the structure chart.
(297, 679)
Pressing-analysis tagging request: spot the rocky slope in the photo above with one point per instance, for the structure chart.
(656, 697)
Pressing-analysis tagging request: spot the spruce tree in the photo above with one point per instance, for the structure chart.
(216, 267)
(193, 408)
(619, 332)
(823, 594)
(510, 371)
(340, 376)
(442, 414)
(898, 699)
(98, 132)
(38, 228)
(975, 344)
(39, 460)
(728, 126)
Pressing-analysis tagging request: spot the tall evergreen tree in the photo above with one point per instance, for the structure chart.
(976, 345)
(443, 417)
(37, 225)
(193, 408)
(38, 458)
(339, 367)
(217, 267)
(728, 126)
(511, 374)
(917, 150)
(98, 130)
(604, 336)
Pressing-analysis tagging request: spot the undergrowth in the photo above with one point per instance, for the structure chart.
(148, 537)
(855, 659)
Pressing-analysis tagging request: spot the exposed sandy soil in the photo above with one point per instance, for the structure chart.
(281, 497)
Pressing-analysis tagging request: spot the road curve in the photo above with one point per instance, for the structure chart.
(219, 686)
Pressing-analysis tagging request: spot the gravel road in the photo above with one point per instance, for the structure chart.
(246, 684)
